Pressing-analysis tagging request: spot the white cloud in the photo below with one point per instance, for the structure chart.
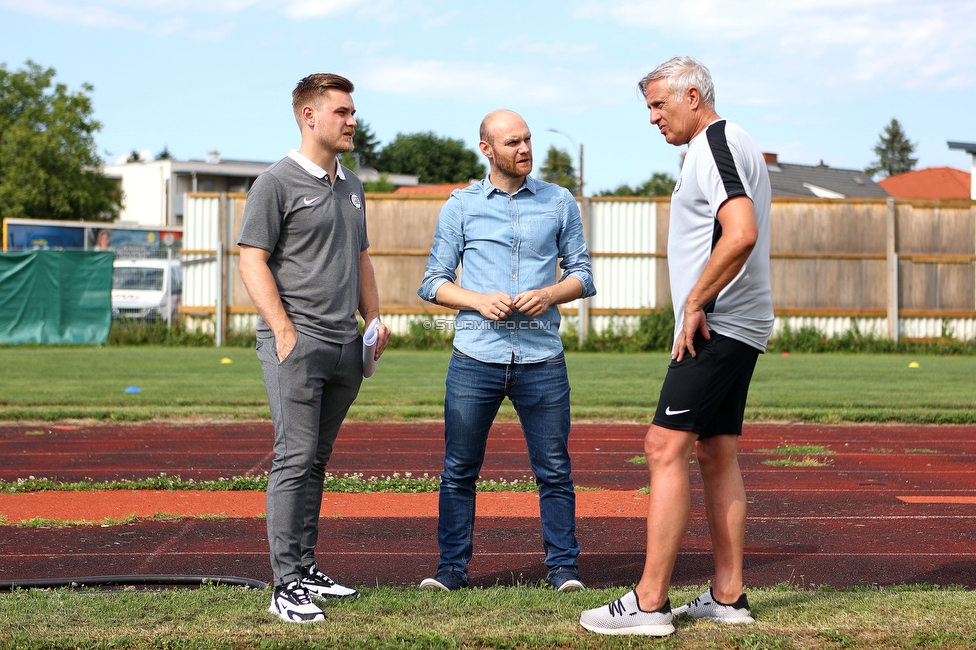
(300, 9)
(556, 88)
(557, 51)
(76, 13)
(443, 79)
(157, 16)
(442, 19)
(901, 43)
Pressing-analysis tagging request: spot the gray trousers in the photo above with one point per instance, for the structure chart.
(309, 394)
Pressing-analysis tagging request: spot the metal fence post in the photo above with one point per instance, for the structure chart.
(584, 308)
(219, 324)
(892, 258)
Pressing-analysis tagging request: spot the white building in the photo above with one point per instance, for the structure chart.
(970, 148)
(153, 191)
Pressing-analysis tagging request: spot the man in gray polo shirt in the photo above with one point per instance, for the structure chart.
(305, 264)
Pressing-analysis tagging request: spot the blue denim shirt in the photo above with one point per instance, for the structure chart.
(508, 243)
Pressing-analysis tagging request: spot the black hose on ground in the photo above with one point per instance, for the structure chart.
(133, 581)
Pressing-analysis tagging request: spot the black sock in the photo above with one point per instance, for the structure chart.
(741, 603)
(664, 609)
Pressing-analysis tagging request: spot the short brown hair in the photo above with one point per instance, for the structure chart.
(309, 89)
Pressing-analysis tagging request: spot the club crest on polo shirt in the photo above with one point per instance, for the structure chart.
(677, 184)
(354, 198)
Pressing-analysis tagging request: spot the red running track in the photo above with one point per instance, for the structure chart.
(891, 504)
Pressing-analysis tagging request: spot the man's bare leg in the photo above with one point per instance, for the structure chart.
(669, 505)
(725, 508)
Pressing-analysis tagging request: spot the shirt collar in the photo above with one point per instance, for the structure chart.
(530, 184)
(312, 168)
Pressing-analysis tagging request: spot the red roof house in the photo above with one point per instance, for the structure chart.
(930, 183)
(429, 190)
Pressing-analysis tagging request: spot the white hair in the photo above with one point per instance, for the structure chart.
(682, 73)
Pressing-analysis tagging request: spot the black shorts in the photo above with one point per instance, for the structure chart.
(707, 393)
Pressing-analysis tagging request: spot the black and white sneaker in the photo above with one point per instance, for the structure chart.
(625, 616)
(706, 607)
(292, 603)
(322, 586)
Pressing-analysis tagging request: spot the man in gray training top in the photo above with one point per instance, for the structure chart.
(305, 264)
(718, 262)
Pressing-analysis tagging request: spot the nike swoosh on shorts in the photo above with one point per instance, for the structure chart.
(668, 411)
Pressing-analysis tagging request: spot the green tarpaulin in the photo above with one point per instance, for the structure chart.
(55, 297)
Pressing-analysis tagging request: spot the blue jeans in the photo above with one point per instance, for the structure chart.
(540, 395)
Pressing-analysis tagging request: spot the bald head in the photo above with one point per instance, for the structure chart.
(498, 120)
(506, 142)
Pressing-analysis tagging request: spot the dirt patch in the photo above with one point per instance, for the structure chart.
(97, 506)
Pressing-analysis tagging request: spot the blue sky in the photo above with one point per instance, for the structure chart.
(811, 80)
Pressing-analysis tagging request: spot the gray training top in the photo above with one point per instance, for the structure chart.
(722, 162)
(315, 231)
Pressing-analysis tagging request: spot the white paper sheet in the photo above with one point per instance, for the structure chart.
(369, 348)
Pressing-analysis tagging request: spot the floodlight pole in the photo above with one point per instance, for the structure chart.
(570, 138)
(584, 312)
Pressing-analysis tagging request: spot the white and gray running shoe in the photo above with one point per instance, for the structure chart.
(292, 603)
(626, 617)
(322, 586)
(706, 607)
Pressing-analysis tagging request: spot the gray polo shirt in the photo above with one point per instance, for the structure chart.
(315, 231)
(722, 162)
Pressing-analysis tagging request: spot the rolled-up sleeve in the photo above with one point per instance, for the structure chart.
(573, 251)
(445, 253)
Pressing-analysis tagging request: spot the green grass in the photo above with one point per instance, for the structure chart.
(58, 383)
(806, 461)
(863, 388)
(499, 617)
(347, 483)
(787, 450)
(42, 522)
(791, 451)
(53, 383)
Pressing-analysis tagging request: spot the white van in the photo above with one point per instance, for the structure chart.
(147, 289)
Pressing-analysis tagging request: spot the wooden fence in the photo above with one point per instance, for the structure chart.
(892, 268)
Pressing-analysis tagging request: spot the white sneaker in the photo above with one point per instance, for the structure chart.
(706, 607)
(626, 617)
(292, 603)
(322, 586)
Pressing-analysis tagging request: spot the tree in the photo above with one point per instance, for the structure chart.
(659, 184)
(383, 185)
(164, 154)
(432, 158)
(366, 145)
(558, 168)
(49, 168)
(894, 152)
(364, 148)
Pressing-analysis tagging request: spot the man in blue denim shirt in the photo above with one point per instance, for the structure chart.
(509, 231)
